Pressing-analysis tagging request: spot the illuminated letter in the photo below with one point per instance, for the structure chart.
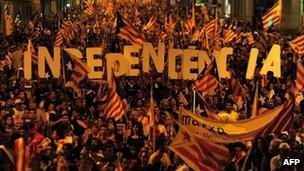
(54, 64)
(92, 63)
(221, 61)
(128, 50)
(252, 63)
(203, 60)
(273, 62)
(159, 61)
(173, 53)
(123, 65)
(187, 64)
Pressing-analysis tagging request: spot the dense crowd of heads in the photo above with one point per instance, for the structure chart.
(44, 108)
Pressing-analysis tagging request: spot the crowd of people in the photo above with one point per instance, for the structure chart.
(66, 132)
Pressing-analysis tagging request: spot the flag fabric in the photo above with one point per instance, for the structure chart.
(58, 38)
(250, 38)
(68, 30)
(206, 81)
(282, 122)
(229, 35)
(8, 21)
(298, 45)
(75, 71)
(210, 112)
(190, 23)
(169, 24)
(198, 153)
(127, 31)
(31, 49)
(113, 108)
(272, 16)
(237, 89)
(221, 131)
(196, 36)
(110, 8)
(151, 24)
(89, 9)
(299, 82)
(210, 29)
(204, 13)
(244, 127)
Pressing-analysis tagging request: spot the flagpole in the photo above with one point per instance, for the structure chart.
(63, 71)
(194, 94)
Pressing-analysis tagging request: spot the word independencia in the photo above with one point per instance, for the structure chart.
(123, 64)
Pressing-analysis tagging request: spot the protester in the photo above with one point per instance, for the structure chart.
(66, 131)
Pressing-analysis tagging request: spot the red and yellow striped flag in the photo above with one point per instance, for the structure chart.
(190, 23)
(196, 36)
(250, 38)
(90, 10)
(298, 45)
(206, 82)
(151, 24)
(282, 122)
(114, 107)
(68, 30)
(127, 31)
(229, 35)
(299, 82)
(273, 15)
(210, 112)
(199, 153)
(58, 39)
(209, 29)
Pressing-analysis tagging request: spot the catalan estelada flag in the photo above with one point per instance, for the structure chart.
(199, 153)
(75, 70)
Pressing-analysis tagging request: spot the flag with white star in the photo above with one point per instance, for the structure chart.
(75, 70)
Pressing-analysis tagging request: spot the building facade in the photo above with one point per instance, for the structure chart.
(252, 10)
